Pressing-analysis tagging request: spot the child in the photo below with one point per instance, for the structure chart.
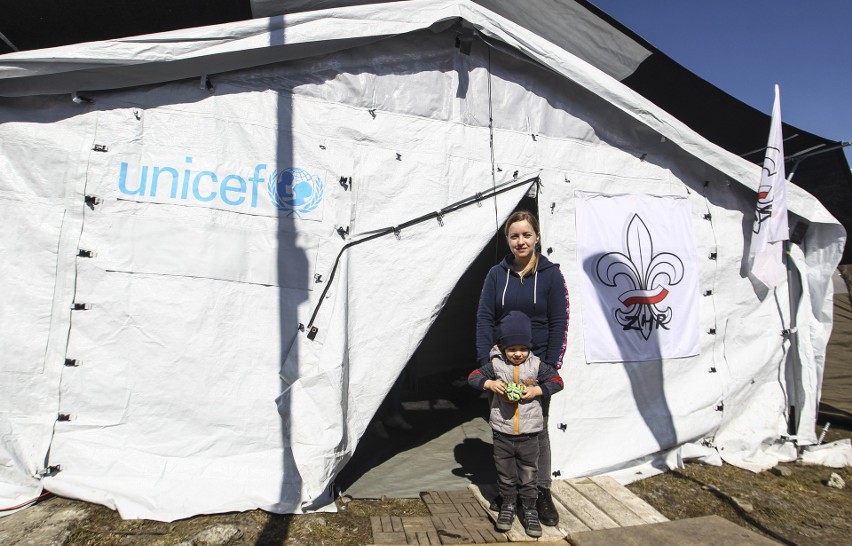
(516, 424)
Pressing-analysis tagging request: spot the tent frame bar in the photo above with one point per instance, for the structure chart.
(438, 214)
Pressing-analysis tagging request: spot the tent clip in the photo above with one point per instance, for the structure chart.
(440, 217)
(464, 40)
(396, 233)
(712, 256)
(372, 112)
(100, 148)
(63, 417)
(712, 331)
(82, 253)
(562, 426)
(708, 292)
(81, 307)
(301, 327)
(398, 156)
(708, 216)
(72, 362)
(51, 470)
(478, 199)
(552, 207)
(787, 332)
(80, 99)
(346, 182)
(205, 83)
(91, 201)
(313, 333)
(712, 370)
(720, 407)
(556, 473)
(343, 232)
(317, 278)
(549, 250)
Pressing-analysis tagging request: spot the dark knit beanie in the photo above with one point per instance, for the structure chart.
(514, 329)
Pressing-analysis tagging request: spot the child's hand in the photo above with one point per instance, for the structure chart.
(495, 385)
(531, 392)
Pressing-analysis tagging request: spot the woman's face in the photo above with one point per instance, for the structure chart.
(522, 240)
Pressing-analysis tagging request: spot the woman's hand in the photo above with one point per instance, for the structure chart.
(531, 392)
(495, 385)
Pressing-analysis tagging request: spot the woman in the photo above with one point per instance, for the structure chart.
(528, 282)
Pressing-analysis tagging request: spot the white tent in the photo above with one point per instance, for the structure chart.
(156, 283)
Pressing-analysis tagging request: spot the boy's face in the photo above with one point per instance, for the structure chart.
(516, 354)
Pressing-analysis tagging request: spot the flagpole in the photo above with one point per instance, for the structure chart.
(792, 333)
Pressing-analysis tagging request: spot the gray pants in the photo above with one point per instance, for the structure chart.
(516, 459)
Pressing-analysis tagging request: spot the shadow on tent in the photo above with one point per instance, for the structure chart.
(449, 443)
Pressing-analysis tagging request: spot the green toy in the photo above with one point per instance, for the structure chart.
(514, 391)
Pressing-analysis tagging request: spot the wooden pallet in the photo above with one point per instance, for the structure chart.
(463, 517)
(584, 504)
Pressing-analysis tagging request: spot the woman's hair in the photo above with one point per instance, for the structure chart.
(520, 216)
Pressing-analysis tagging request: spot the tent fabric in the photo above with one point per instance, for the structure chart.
(155, 394)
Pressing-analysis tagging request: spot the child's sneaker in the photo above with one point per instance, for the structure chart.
(529, 518)
(506, 516)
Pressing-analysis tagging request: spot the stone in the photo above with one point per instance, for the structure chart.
(218, 535)
(745, 506)
(835, 481)
(782, 471)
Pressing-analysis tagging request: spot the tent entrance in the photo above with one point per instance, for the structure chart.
(449, 443)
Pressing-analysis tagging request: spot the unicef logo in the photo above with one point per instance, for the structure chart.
(295, 190)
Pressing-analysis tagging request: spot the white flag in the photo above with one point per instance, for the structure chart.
(766, 251)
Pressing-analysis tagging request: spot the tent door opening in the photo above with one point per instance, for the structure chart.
(431, 433)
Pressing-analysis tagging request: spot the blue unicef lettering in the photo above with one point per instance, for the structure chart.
(295, 190)
(204, 186)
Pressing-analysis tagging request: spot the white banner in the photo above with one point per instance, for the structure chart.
(639, 277)
(766, 251)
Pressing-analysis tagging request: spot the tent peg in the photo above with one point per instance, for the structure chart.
(822, 434)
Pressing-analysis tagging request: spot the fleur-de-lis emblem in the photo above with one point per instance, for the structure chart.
(647, 277)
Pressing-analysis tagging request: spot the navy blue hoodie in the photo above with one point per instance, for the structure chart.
(542, 296)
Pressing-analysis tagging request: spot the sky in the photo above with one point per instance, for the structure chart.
(745, 47)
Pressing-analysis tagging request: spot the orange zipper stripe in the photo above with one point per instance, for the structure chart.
(517, 405)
